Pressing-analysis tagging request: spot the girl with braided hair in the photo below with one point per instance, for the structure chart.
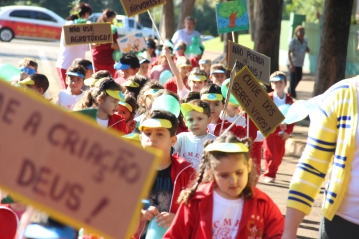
(222, 202)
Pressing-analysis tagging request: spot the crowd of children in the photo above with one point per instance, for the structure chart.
(206, 182)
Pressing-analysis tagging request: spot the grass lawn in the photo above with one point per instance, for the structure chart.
(216, 45)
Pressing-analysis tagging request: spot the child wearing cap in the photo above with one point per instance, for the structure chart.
(134, 84)
(36, 82)
(127, 109)
(126, 67)
(96, 77)
(145, 98)
(183, 65)
(223, 202)
(105, 96)
(205, 65)
(180, 49)
(144, 66)
(218, 74)
(158, 130)
(75, 80)
(189, 145)
(161, 67)
(27, 66)
(274, 144)
(86, 64)
(151, 48)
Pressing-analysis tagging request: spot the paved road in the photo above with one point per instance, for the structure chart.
(45, 54)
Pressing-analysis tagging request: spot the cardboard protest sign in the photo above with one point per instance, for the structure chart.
(232, 16)
(258, 63)
(134, 7)
(66, 165)
(256, 102)
(132, 43)
(87, 33)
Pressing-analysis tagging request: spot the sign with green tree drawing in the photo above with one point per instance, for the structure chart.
(232, 16)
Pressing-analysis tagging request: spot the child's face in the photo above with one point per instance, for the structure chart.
(218, 78)
(205, 67)
(184, 70)
(129, 72)
(216, 108)
(24, 75)
(144, 68)
(158, 138)
(197, 122)
(231, 175)
(75, 83)
(122, 110)
(148, 102)
(278, 86)
(196, 86)
(108, 105)
(232, 110)
(180, 52)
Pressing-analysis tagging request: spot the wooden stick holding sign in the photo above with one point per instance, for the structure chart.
(154, 24)
(69, 167)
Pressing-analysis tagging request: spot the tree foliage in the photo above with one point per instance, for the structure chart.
(313, 9)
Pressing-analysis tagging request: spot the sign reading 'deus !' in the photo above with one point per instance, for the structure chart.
(76, 34)
(256, 102)
(134, 7)
(66, 165)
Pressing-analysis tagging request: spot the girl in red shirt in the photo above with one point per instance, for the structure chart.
(222, 203)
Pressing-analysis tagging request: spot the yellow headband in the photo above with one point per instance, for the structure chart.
(90, 81)
(155, 123)
(116, 94)
(212, 97)
(227, 147)
(133, 136)
(125, 104)
(186, 107)
(27, 81)
(131, 83)
(197, 78)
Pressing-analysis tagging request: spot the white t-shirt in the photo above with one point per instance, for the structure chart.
(278, 101)
(240, 122)
(102, 123)
(68, 101)
(349, 208)
(67, 54)
(226, 217)
(183, 36)
(211, 127)
(298, 51)
(190, 147)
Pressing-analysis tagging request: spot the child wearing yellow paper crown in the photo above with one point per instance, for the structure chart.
(189, 145)
(127, 109)
(158, 130)
(223, 201)
(105, 96)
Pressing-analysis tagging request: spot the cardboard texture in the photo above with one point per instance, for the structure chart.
(132, 43)
(258, 63)
(87, 33)
(69, 167)
(256, 102)
(134, 7)
(232, 16)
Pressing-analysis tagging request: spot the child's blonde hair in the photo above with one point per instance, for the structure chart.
(90, 99)
(210, 160)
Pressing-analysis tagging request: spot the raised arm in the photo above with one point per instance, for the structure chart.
(174, 70)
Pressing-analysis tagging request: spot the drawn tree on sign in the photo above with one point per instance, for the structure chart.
(232, 10)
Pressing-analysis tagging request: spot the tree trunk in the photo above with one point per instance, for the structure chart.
(187, 9)
(251, 5)
(333, 44)
(167, 29)
(268, 25)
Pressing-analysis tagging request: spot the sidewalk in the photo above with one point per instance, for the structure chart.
(294, 147)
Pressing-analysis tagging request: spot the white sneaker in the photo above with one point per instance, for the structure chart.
(269, 180)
